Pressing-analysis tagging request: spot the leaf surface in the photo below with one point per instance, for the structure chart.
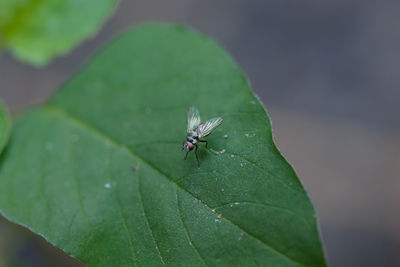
(37, 30)
(99, 170)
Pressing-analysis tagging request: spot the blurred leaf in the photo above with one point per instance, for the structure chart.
(100, 173)
(37, 30)
(5, 126)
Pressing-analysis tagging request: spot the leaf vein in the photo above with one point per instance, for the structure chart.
(186, 229)
(268, 205)
(81, 206)
(121, 213)
(148, 224)
(227, 153)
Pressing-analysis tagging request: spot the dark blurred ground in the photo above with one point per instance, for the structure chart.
(328, 73)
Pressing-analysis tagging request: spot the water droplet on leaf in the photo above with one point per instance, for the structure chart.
(49, 146)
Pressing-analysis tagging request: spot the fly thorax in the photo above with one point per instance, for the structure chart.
(192, 139)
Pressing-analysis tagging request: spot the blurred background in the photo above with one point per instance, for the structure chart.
(328, 73)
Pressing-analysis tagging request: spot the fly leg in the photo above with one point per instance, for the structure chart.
(204, 141)
(186, 155)
(195, 152)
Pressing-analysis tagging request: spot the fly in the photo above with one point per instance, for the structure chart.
(196, 131)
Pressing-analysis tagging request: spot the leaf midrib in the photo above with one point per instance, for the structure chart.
(61, 112)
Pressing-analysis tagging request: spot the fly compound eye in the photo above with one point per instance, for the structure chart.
(190, 146)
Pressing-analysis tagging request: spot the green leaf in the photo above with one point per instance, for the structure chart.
(38, 30)
(5, 126)
(99, 170)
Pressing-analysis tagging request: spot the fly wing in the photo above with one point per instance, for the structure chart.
(209, 126)
(193, 119)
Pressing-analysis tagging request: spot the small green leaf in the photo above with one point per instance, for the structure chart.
(5, 126)
(99, 170)
(37, 30)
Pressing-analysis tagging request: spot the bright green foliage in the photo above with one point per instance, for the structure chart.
(5, 126)
(99, 170)
(37, 30)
